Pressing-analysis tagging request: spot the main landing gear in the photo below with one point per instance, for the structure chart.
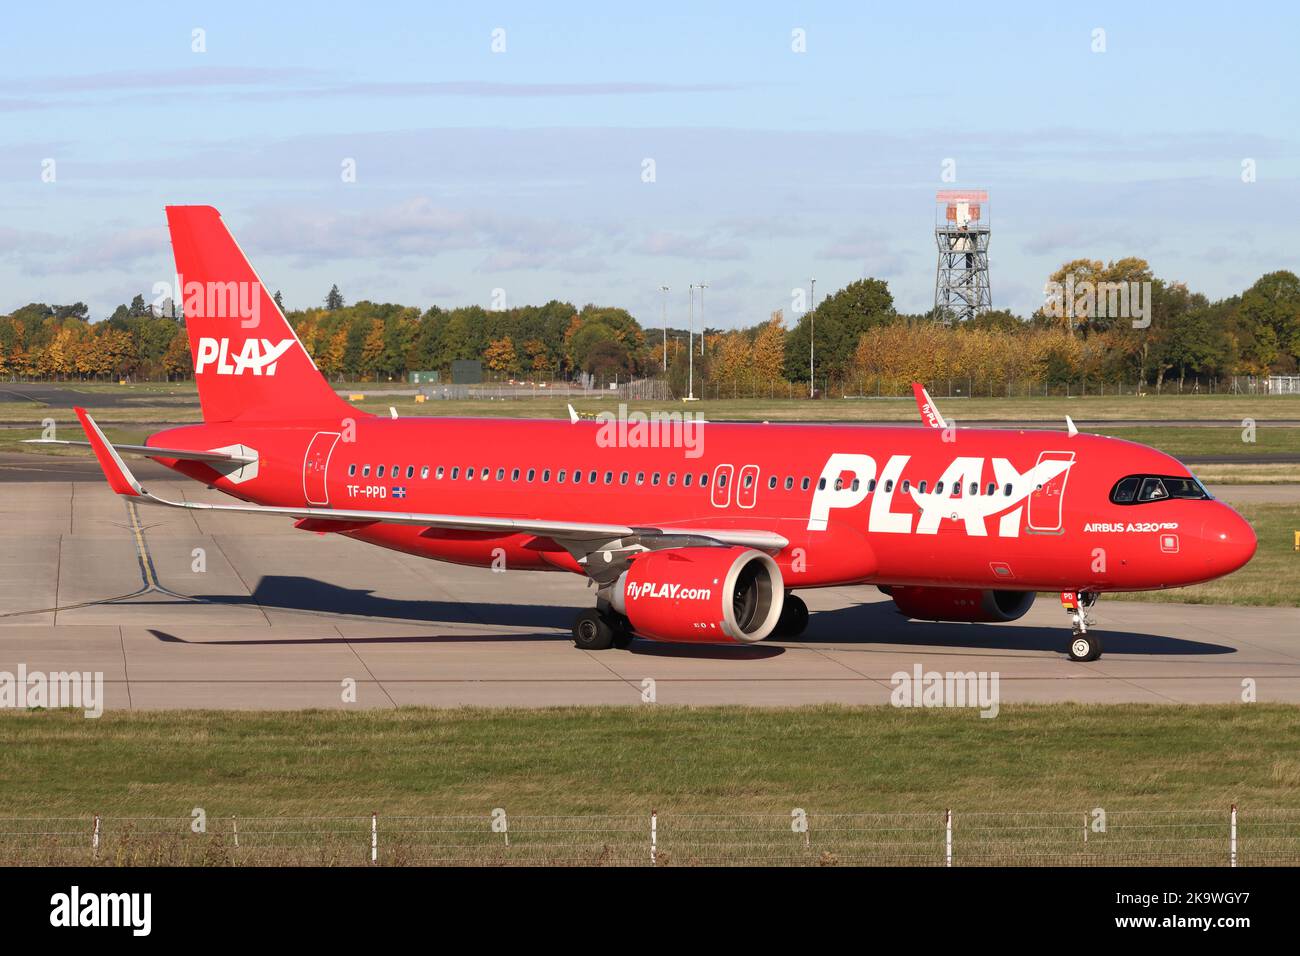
(601, 628)
(793, 619)
(1083, 645)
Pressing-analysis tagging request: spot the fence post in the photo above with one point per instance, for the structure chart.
(1232, 838)
(654, 836)
(234, 826)
(94, 839)
(947, 826)
(374, 838)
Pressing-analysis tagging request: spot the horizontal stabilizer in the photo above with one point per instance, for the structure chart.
(153, 451)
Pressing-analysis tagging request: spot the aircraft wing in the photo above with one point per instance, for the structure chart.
(577, 536)
(925, 404)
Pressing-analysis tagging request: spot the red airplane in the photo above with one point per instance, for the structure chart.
(691, 531)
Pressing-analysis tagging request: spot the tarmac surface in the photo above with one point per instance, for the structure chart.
(182, 610)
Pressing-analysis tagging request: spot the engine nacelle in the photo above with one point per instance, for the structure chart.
(706, 595)
(972, 605)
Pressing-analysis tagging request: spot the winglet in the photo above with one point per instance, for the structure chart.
(1069, 424)
(119, 476)
(573, 415)
(929, 412)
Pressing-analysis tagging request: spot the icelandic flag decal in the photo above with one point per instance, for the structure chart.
(399, 491)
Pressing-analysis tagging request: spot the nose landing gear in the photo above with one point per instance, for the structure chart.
(1083, 645)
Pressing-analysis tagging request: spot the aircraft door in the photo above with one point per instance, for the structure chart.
(1046, 500)
(314, 466)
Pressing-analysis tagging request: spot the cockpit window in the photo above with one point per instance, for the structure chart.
(1139, 489)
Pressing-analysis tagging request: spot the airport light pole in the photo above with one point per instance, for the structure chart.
(664, 290)
(690, 347)
(812, 329)
(703, 286)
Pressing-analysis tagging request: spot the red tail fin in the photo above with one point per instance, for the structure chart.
(248, 362)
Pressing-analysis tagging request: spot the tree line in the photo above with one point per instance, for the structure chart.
(1166, 332)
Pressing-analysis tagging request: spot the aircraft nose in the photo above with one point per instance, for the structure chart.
(1229, 540)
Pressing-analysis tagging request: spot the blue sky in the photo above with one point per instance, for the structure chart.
(522, 170)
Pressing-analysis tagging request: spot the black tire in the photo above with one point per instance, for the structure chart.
(1084, 648)
(794, 617)
(591, 632)
(623, 637)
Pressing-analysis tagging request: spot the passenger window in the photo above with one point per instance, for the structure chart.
(871, 485)
(789, 482)
(365, 471)
(469, 473)
(455, 473)
(486, 473)
(609, 477)
(722, 480)
(803, 485)
(771, 482)
(704, 479)
(424, 471)
(514, 475)
(577, 476)
(591, 479)
(906, 486)
(410, 471)
(839, 483)
(622, 479)
(992, 489)
(686, 479)
(379, 472)
(640, 477)
(1007, 489)
(352, 470)
(501, 474)
(974, 487)
(889, 486)
(654, 479)
(440, 472)
(749, 479)
(938, 487)
(921, 488)
(532, 473)
(672, 478)
(546, 474)
(855, 485)
(559, 477)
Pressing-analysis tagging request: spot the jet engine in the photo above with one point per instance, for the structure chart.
(960, 604)
(708, 595)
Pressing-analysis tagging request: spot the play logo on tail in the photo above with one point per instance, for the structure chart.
(248, 361)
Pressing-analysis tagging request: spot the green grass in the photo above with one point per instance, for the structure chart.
(630, 760)
(1271, 579)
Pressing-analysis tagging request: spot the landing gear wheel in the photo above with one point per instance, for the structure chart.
(591, 632)
(622, 629)
(1085, 647)
(794, 617)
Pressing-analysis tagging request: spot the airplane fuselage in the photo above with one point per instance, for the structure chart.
(1015, 510)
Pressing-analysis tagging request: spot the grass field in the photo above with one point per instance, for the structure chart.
(629, 760)
(579, 784)
(1272, 578)
(178, 402)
